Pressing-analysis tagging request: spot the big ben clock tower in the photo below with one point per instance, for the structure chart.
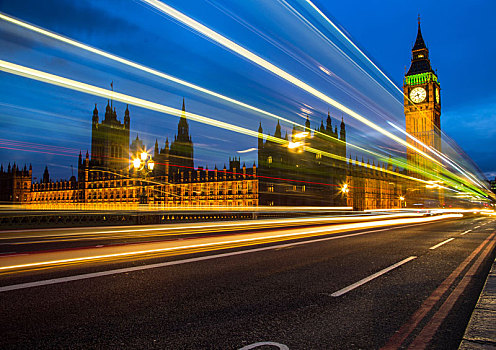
(422, 107)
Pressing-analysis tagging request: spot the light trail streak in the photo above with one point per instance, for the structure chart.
(352, 43)
(97, 91)
(165, 76)
(179, 16)
(439, 154)
(217, 243)
(17, 143)
(217, 227)
(360, 51)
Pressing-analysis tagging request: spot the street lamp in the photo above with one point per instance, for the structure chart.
(402, 200)
(144, 165)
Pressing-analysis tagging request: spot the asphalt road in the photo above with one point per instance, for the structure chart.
(293, 294)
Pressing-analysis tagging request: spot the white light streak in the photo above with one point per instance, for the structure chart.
(160, 74)
(93, 90)
(179, 16)
(247, 150)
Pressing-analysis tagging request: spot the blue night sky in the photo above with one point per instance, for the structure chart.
(44, 124)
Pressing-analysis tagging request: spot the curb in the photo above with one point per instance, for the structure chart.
(481, 329)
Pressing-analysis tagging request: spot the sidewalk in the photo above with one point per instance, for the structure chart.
(481, 330)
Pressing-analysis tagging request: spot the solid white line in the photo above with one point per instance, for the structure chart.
(371, 277)
(465, 232)
(440, 244)
(184, 261)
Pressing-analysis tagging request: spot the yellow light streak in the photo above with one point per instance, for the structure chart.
(440, 155)
(171, 78)
(216, 243)
(301, 135)
(172, 12)
(176, 229)
(97, 91)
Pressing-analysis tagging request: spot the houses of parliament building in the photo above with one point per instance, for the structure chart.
(287, 174)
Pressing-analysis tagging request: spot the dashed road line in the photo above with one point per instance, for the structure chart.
(428, 332)
(402, 334)
(476, 227)
(465, 232)
(440, 244)
(371, 277)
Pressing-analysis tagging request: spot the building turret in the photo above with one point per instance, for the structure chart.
(46, 176)
(342, 134)
(108, 111)
(278, 130)
(260, 138)
(127, 119)
(329, 123)
(95, 115)
(183, 127)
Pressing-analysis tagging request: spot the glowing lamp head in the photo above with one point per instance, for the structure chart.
(151, 165)
(143, 156)
(402, 198)
(136, 163)
(345, 188)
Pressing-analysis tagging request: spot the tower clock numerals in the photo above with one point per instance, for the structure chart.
(418, 94)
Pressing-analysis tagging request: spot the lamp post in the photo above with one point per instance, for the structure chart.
(143, 165)
(402, 201)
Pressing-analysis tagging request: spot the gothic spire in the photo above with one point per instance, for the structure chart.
(420, 55)
(278, 130)
(419, 42)
(183, 127)
(329, 122)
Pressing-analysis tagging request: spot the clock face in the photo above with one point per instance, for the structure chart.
(437, 95)
(418, 94)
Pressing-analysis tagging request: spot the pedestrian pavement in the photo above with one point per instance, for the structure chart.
(481, 329)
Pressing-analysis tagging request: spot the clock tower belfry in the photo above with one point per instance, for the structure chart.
(422, 106)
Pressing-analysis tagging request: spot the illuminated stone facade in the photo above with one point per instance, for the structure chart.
(105, 180)
(15, 184)
(290, 175)
(307, 168)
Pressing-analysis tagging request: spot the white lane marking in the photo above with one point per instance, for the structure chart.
(476, 227)
(440, 244)
(371, 277)
(184, 261)
(465, 232)
(256, 345)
